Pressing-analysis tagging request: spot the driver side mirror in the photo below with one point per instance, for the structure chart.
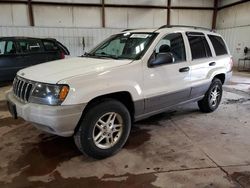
(160, 59)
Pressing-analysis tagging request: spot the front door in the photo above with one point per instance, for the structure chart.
(10, 60)
(167, 84)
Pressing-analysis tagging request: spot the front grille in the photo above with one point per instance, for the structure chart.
(22, 88)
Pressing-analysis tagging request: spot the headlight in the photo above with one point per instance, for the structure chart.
(49, 94)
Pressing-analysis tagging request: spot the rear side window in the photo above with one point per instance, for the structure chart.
(30, 46)
(199, 46)
(218, 44)
(50, 46)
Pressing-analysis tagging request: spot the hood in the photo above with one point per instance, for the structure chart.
(54, 71)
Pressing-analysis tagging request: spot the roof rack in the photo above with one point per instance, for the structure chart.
(188, 26)
(127, 30)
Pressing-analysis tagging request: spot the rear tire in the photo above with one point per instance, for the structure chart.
(212, 98)
(104, 129)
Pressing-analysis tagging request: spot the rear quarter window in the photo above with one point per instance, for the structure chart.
(50, 46)
(218, 44)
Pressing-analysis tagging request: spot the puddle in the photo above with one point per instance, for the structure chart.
(236, 101)
(236, 91)
(4, 84)
(243, 178)
(43, 157)
(3, 105)
(128, 180)
(237, 83)
(137, 138)
(10, 121)
(155, 120)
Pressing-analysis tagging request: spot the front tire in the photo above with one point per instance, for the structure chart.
(212, 98)
(104, 129)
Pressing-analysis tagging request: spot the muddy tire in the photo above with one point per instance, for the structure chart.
(103, 130)
(212, 98)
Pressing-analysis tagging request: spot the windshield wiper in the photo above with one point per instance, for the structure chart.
(88, 54)
(105, 55)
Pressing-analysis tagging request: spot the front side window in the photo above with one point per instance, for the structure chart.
(10, 48)
(2, 47)
(124, 46)
(7, 48)
(30, 46)
(199, 46)
(218, 44)
(174, 44)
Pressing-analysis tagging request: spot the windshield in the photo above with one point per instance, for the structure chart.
(123, 46)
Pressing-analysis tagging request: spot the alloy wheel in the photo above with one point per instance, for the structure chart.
(215, 96)
(108, 130)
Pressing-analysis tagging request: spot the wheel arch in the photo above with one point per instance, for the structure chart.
(122, 96)
(221, 77)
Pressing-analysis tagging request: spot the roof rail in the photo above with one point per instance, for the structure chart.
(188, 26)
(127, 30)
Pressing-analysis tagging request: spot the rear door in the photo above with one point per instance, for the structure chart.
(222, 57)
(32, 51)
(10, 60)
(200, 63)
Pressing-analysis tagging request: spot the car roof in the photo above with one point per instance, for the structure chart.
(21, 37)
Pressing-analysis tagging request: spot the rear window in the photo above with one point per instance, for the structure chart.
(50, 46)
(218, 44)
(30, 46)
(199, 46)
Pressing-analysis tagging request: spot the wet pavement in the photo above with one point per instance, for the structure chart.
(179, 148)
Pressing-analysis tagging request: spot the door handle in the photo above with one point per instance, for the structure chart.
(212, 64)
(184, 69)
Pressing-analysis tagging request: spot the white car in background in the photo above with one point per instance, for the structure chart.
(130, 76)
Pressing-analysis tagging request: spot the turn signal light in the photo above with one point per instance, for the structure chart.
(63, 93)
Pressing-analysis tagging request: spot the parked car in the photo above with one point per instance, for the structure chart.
(130, 76)
(19, 52)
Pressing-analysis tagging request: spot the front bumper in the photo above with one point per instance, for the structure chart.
(59, 120)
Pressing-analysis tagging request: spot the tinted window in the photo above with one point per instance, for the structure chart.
(9, 47)
(2, 47)
(174, 44)
(218, 44)
(29, 46)
(199, 46)
(50, 46)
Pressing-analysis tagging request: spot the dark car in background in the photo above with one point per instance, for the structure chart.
(19, 52)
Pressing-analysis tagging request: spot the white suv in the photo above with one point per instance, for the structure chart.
(130, 76)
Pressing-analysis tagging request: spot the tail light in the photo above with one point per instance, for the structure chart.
(62, 55)
(231, 64)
